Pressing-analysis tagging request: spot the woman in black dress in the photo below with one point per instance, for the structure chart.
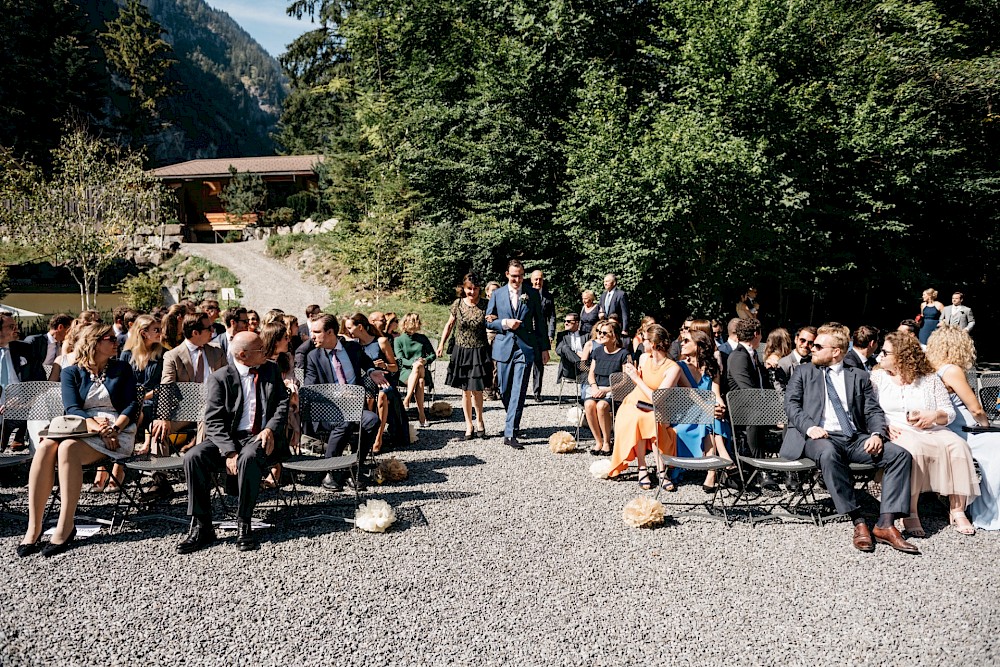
(589, 313)
(470, 368)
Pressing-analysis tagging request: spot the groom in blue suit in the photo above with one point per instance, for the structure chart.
(516, 312)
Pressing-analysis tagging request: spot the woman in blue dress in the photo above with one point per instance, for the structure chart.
(952, 352)
(930, 315)
(700, 370)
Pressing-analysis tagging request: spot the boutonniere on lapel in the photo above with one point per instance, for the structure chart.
(523, 298)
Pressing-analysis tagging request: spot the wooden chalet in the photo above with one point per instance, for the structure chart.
(198, 183)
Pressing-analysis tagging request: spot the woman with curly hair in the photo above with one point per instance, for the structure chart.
(951, 351)
(918, 410)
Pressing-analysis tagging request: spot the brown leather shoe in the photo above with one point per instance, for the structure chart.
(894, 539)
(863, 538)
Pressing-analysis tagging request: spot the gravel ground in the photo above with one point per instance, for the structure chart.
(264, 280)
(504, 556)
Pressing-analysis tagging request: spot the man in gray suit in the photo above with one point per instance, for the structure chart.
(958, 315)
(802, 354)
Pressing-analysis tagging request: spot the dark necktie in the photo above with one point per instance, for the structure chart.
(258, 408)
(338, 368)
(199, 372)
(756, 365)
(838, 407)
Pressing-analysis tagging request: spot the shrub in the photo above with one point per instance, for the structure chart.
(142, 292)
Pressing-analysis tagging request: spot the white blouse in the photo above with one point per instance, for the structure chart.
(926, 393)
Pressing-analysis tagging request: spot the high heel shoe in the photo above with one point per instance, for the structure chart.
(961, 523)
(52, 549)
(645, 482)
(913, 528)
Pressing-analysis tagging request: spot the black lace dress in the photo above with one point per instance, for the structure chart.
(470, 368)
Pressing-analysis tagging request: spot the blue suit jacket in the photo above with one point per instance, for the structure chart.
(120, 383)
(531, 337)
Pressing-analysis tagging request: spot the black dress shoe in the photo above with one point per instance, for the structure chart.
(538, 396)
(201, 535)
(331, 483)
(28, 549)
(51, 549)
(768, 482)
(362, 483)
(481, 433)
(245, 540)
(513, 443)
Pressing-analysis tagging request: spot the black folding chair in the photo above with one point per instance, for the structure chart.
(337, 403)
(682, 405)
(174, 402)
(766, 407)
(582, 377)
(988, 397)
(24, 401)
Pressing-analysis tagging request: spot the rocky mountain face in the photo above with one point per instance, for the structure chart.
(227, 90)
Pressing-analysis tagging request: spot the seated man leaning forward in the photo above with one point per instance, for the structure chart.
(245, 416)
(835, 420)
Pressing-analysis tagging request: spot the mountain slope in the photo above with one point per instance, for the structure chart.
(228, 90)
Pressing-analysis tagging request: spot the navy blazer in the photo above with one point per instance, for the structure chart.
(805, 403)
(120, 383)
(531, 337)
(39, 346)
(320, 371)
(619, 304)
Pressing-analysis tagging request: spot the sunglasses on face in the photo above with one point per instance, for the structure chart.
(685, 340)
(156, 330)
(806, 342)
(818, 347)
(103, 339)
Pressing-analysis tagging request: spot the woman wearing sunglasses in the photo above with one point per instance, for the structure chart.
(101, 390)
(607, 356)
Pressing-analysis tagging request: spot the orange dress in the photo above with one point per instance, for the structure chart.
(633, 424)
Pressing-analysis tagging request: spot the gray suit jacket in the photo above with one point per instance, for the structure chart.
(963, 316)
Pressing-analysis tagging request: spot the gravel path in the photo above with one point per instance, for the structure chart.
(504, 557)
(265, 281)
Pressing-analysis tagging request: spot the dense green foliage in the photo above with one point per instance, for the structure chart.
(244, 195)
(841, 156)
(220, 97)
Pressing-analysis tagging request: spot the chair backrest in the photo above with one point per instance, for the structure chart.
(972, 377)
(180, 402)
(988, 380)
(583, 371)
(988, 397)
(37, 400)
(683, 405)
(331, 402)
(621, 386)
(48, 369)
(300, 375)
(756, 407)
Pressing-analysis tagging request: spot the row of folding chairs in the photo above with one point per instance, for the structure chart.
(185, 402)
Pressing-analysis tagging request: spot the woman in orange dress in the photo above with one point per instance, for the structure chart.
(636, 429)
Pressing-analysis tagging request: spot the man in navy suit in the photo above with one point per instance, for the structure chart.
(835, 420)
(47, 346)
(613, 300)
(516, 314)
(336, 361)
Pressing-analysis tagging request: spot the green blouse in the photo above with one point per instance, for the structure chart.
(409, 348)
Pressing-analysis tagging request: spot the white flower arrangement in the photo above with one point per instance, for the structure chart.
(574, 416)
(644, 512)
(523, 298)
(561, 442)
(601, 468)
(413, 433)
(374, 516)
(440, 409)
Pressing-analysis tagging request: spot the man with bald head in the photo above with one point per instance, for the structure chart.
(613, 300)
(245, 416)
(549, 315)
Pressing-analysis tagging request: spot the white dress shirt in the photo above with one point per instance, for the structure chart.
(52, 351)
(830, 422)
(8, 363)
(245, 422)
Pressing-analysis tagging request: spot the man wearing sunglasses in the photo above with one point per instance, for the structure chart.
(802, 354)
(569, 346)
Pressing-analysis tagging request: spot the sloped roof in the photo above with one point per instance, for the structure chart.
(273, 165)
